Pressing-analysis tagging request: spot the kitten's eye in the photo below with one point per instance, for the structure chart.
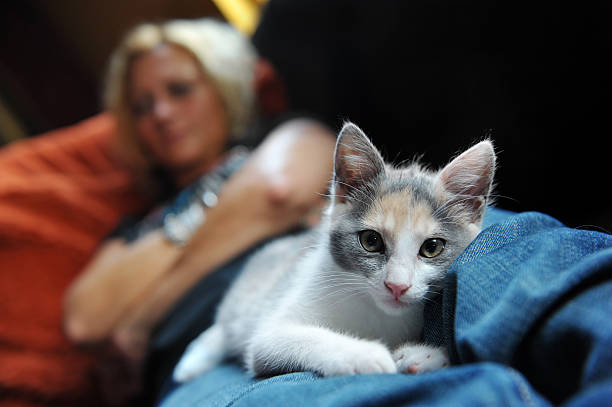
(371, 241)
(432, 247)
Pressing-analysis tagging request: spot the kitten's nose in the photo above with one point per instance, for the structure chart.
(397, 289)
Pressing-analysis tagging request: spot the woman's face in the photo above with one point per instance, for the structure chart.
(179, 114)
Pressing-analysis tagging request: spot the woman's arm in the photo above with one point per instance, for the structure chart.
(112, 282)
(127, 289)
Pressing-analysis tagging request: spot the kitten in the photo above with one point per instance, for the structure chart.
(347, 297)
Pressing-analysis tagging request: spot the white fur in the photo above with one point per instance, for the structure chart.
(202, 354)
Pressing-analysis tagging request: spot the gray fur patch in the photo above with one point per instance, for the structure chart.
(347, 252)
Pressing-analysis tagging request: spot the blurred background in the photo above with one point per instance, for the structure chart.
(420, 77)
(54, 54)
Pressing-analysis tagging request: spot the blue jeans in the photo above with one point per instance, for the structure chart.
(526, 316)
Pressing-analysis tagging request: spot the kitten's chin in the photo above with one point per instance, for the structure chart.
(392, 307)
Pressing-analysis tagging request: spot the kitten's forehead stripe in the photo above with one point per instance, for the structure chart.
(421, 184)
(418, 182)
(408, 186)
(414, 186)
(395, 212)
(389, 221)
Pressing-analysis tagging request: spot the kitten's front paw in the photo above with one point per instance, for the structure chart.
(193, 363)
(420, 358)
(196, 360)
(202, 354)
(360, 358)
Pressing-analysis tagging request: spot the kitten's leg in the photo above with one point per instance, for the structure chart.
(203, 353)
(417, 358)
(293, 347)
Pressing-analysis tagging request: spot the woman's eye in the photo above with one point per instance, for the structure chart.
(142, 106)
(432, 247)
(371, 241)
(179, 88)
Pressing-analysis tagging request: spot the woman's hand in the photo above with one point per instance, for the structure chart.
(112, 282)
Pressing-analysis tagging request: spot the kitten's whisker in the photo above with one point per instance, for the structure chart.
(340, 294)
(341, 281)
(305, 248)
(428, 300)
(339, 286)
(347, 297)
(494, 197)
(335, 284)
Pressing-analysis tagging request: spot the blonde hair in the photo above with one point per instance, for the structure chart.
(226, 57)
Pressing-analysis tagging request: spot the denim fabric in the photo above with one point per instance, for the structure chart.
(535, 295)
(526, 316)
(479, 385)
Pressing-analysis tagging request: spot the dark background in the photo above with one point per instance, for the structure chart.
(420, 77)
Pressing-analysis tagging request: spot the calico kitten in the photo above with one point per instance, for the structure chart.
(347, 297)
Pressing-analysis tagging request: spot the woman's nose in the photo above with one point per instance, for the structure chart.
(163, 110)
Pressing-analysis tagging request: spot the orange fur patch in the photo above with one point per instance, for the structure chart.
(397, 212)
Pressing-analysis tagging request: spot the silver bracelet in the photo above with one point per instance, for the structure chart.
(179, 227)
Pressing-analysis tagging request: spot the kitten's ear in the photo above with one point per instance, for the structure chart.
(356, 162)
(470, 178)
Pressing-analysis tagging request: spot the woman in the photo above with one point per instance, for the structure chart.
(182, 93)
